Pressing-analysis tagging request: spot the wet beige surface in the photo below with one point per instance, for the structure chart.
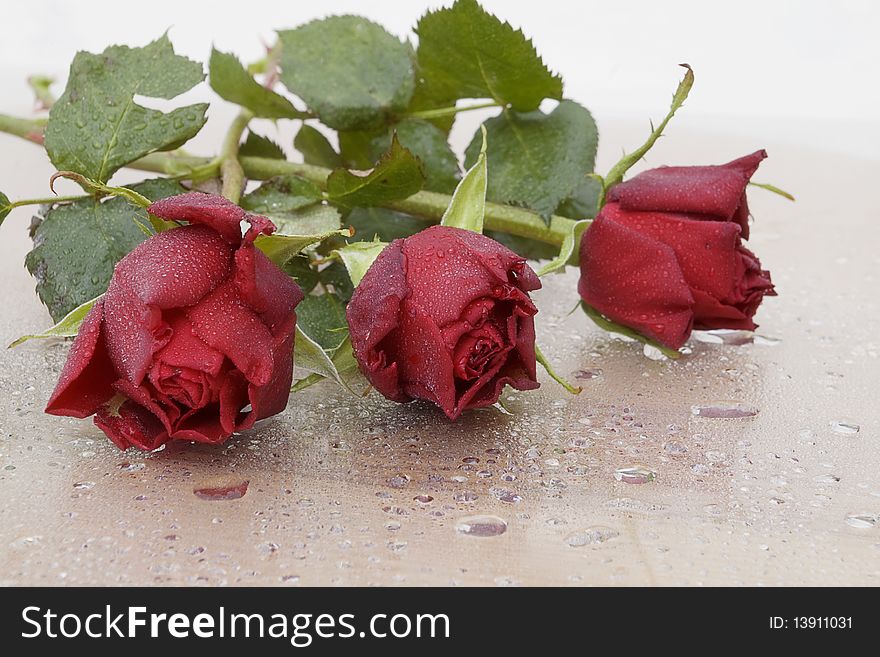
(362, 491)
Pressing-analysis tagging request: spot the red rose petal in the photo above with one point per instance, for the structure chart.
(707, 190)
(177, 267)
(373, 315)
(216, 212)
(85, 382)
(132, 426)
(223, 321)
(636, 281)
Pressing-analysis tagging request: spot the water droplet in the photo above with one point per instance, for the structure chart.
(861, 520)
(481, 526)
(84, 485)
(290, 579)
(826, 479)
(228, 492)
(591, 536)
(586, 375)
(844, 428)
(675, 448)
(423, 499)
(505, 495)
(653, 352)
(724, 409)
(398, 481)
(132, 467)
(465, 496)
(636, 474)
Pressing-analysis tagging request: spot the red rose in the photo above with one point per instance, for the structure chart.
(665, 254)
(445, 315)
(193, 339)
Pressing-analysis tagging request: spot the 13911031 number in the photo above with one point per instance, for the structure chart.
(822, 622)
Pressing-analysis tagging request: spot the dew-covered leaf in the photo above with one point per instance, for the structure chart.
(349, 71)
(315, 148)
(322, 317)
(76, 245)
(382, 224)
(298, 230)
(232, 82)
(280, 195)
(538, 160)
(397, 175)
(465, 52)
(96, 126)
(428, 143)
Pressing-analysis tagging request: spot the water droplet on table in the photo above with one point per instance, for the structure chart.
(216, 493)
(861, 520)
(591, 536)
(398, 481)
(481, 526)
(724, 409)
(844, 428)
(636, 474)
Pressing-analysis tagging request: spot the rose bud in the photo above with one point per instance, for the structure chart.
(445, 316)
(193, 339)
(665, 255)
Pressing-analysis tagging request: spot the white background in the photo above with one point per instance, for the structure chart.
(798, 71)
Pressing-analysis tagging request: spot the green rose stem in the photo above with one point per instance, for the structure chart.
(30, 129)
(443, 112)
(231, 172)
(234, 170)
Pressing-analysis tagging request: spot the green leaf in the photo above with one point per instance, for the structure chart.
(5, 207)
(285, 243)
(542, 359)
(538, 160)
(613, 327)
(382, 224)
(282, 194)
(335, 280)
(627, 161)
(68, 327)
(348, 70)
(315, 148)
(465, 52)
(355, 148)
(322, 317)
(358, 256)
(468, 205)
(96, 127)
(523, 246)
(258, 146)
(309, 355)
(76, 245)
(428, 143)
(300, 269)
(568, 249)
(397, 175)
(584, 201)
(233, 83)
